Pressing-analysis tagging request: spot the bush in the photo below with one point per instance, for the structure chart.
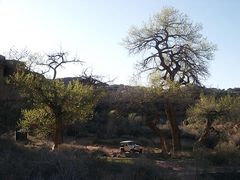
(223, 158)
(236, 139)
(145, 169)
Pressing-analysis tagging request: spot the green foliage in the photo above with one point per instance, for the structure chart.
(173, 45)
(52, 99)
(231, 105)
(38, 119)
(172, 90)
(226, 108)
(202, 108)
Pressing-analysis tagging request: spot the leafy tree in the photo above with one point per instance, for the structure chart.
(210, 108)
(173, 46)
(141, 101)
(54, 103)
(170, 98)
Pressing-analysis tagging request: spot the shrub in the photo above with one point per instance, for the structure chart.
(224, 158)
(236, 139)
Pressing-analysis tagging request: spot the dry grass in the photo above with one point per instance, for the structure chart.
(69, 162)
(87, 158)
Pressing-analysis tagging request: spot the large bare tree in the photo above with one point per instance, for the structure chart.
(56, 60)
(48, 64)
(171, 44)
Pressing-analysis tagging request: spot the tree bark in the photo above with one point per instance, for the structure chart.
(58, 134)
(176, 138)
(162, 140)
(207, 128)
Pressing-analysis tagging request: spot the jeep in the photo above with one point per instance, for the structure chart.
(130, 146)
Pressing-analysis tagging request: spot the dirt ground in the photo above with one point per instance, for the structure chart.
(181, 164)
(113, 152)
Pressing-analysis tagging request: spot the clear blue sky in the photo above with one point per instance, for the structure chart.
(94, 29)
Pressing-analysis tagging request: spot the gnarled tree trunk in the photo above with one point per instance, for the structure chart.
(58, 133)
(162, 140)
(208, 126)
(207, 129)
(176, 138)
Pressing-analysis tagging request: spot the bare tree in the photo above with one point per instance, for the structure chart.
(43, 64)
(55, 61)
(87, 77)
(172, 45)
(28, 58)
(15, 54)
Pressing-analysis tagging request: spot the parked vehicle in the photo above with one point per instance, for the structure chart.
(130, 146)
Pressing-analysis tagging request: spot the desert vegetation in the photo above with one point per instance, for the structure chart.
(70, 128)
